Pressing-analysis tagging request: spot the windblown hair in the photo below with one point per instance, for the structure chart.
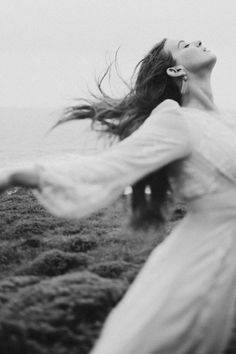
(150, 85)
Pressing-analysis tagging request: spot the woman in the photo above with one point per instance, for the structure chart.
(183, 299)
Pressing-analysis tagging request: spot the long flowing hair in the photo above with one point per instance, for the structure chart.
(150, 85)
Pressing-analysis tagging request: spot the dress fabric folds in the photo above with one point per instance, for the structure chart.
(183, 300)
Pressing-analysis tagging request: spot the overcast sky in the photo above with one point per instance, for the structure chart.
(51, 49)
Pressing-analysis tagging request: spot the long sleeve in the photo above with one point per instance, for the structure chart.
(76, 189)
(229, 117)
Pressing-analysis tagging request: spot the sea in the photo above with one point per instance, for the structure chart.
(25, 137)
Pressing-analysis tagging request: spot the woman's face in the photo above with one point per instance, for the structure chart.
(193, 56)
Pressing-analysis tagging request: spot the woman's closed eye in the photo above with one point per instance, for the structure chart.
(186, 45)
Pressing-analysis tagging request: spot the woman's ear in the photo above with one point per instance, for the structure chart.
(176, 71)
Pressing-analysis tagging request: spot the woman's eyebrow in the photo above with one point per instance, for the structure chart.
(182, 41)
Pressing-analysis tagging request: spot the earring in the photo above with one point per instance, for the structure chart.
(184, 85)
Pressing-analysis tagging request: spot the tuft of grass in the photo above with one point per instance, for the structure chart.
(81, 243)
(33, 242)
(9, 255)
(59, 315)
(72, 243)
(112, 269)
(54, 262)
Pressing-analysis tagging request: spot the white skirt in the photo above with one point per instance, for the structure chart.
(183, 299)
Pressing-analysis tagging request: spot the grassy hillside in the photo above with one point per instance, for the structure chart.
(59, 279)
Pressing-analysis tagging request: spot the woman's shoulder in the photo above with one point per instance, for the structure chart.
(167, 118)
(229, 115)
(168, 113)
(167, 105)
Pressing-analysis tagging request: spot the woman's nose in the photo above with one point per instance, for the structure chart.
(197, 43)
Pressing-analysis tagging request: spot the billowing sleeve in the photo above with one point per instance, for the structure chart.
(229, 117)
(76, 189)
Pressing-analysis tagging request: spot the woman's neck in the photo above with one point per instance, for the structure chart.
(199, 94)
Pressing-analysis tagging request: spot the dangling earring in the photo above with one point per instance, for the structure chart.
(184, 85)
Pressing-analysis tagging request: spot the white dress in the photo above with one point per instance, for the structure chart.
(182, 301)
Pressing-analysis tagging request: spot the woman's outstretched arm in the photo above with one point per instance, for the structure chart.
(74, 189)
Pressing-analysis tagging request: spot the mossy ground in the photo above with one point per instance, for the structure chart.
(59, 279)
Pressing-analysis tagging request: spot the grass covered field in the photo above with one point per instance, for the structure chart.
(59, 279)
